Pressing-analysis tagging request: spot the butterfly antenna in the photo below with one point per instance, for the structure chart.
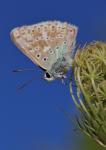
(23, 69)
(25, 84)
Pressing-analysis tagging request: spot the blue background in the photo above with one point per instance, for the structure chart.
(32, 119)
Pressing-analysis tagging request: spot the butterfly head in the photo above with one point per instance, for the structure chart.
(48, 76)
(58, 70)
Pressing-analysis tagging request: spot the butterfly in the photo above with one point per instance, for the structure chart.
(49, 44)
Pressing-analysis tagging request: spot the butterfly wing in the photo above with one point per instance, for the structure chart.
(45, 42)
(67, 47)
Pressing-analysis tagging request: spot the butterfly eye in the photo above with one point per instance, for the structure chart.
(48, 75)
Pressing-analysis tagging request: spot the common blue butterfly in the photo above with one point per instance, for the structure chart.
(48, 44)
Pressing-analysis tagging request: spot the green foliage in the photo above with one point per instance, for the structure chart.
(87, 143)
(89, 67)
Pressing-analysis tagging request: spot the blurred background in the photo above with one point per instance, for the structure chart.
(33, 118)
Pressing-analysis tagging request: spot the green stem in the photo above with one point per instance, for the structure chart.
(95, 89)
(73, 97)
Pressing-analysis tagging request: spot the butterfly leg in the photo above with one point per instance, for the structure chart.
(63, 79)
